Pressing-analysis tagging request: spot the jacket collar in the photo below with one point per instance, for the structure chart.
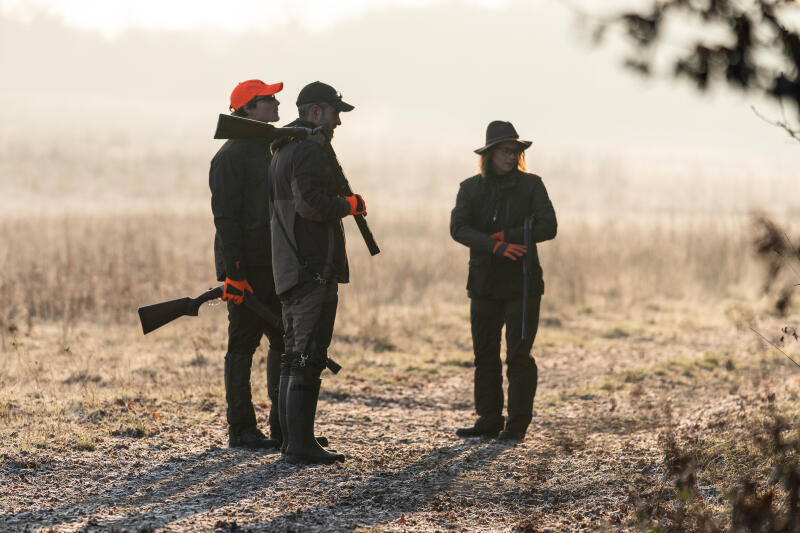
(301, 123)
(504, 182)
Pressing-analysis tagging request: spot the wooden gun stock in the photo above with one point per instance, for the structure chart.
(233, 127)
(154, 316)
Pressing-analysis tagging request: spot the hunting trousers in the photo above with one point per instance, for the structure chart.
(245, 329)
(487, 319)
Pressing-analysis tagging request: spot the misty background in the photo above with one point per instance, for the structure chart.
(82, 79)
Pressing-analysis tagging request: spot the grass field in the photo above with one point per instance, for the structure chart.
(655, 396)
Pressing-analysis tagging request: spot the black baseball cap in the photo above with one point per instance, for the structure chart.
(318, 92)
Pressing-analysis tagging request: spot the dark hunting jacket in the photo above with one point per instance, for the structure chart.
(307, 210)
(239, 201)
(486, 205)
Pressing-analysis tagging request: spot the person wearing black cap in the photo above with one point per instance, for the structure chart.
(491, 208)
(239, 202)
(309, 260)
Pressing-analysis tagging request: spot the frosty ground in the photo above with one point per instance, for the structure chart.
(118, 432)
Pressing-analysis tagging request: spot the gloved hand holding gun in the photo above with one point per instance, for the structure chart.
(233, 290)
(357, 204)
(156, 315)
(507, 249)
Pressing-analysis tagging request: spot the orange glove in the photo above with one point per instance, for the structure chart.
(233, 291)
(357, 205)
(500, 235)
(509, 250)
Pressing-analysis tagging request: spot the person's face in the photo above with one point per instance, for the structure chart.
(505, 157)
(265, 109)
(329, 119)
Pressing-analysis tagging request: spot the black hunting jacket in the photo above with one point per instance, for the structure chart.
(307, 210)
(239, 201)
(486, 205)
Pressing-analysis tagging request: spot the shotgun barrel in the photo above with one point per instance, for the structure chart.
(526, 273)
(361, 222)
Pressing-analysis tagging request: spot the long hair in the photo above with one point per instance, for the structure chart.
(485, 163)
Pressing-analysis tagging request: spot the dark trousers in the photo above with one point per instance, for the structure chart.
(487, 318)
(245, 329)
(309, 314)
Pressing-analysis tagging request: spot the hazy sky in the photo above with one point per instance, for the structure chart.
(113, 16)
(425, 75)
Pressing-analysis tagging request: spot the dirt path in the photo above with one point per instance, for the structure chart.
(592, 448)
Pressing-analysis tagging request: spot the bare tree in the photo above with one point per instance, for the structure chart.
(759, 52)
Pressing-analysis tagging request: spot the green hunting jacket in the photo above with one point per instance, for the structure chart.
(488, 204)
(307, 205)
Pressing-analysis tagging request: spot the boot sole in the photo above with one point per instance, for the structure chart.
(304, 460)
(322, 441)
(479, 435)
(258, 447)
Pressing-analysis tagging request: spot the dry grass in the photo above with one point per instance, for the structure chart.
(640, 311)
(100, 268)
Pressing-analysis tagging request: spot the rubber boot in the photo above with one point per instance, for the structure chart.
(240, 411)
(282, 397)
(274, 359)
(488, 400)
(286, 364)
(523, 376)
(301, 409)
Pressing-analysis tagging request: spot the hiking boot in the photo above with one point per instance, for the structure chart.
(301, 410)
(482, 428)
(252, 439)
(510, 435)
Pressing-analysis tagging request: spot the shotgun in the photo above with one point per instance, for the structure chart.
(361, 222)
(527, 229)
(154, 316)
(233, 127)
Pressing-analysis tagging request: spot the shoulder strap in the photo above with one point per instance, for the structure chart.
(303, 263)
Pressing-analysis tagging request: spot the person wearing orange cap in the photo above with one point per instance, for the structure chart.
(242, 256)
(491, 210)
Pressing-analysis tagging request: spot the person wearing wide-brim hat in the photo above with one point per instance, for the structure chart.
(491, 208)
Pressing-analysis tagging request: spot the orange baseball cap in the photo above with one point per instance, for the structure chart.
(247, 90)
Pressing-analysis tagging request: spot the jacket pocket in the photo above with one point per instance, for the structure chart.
(479, 267)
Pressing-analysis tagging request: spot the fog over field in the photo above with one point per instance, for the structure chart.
(425, 79)
(648, 348)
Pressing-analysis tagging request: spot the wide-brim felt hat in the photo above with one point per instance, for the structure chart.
(499, 131)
